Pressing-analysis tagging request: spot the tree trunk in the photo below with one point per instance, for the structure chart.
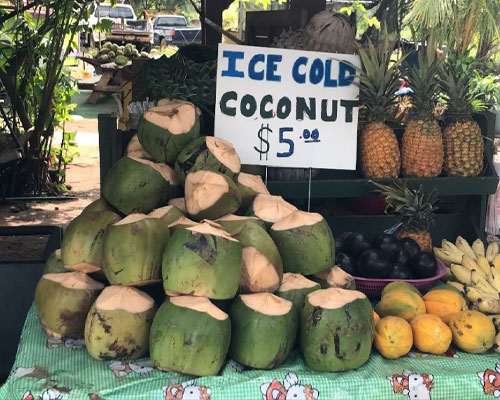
(9, 83)
(387, 14)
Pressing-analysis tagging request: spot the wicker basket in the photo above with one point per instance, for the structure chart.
(373, 287)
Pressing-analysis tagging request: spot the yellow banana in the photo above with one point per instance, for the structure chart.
(492, 250)
(483, 264)
(464, 245)
(461, 273)
(480, 282)
(489, 305)
(474, 294)
(493, 278)
(478, 248)
(469, 263)
(457, 285)
(451, 248)
(496, 261)
(446, 256)
(496, 344)
(448, 275)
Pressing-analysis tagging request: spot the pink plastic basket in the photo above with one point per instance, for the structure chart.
(373, 287)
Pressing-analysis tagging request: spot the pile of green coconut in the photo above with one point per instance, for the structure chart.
(241, 273)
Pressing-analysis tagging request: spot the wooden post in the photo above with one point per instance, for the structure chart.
(213, 11)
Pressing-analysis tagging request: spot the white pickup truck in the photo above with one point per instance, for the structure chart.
(126, 27)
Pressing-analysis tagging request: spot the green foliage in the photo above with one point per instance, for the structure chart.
(414, 208)
(424, 80)
(462, 24)
(379, 78)
(36, 38)
(486, 88)
(364, 21)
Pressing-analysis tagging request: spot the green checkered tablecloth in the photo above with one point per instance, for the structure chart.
(50, 369)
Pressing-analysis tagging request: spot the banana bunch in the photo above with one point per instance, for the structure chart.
(475, 271)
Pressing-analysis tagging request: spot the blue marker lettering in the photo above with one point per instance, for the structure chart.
(298, 76)
(231, 70)
(252, 73)
(272, 60)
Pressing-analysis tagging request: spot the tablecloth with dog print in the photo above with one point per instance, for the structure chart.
(55, 369)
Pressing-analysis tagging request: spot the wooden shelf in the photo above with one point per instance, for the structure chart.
(342, 188)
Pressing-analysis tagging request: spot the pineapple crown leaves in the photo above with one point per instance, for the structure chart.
(424, 80)
(379, 77)
(455, 82)
(414, 208)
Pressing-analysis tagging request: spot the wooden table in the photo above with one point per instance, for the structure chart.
(111, 80)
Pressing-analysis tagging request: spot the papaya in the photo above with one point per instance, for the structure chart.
(472, 331)
(399, 285)
(393, 337)
(430, 334)
(444, 303)
(445, 286)
(400, 303)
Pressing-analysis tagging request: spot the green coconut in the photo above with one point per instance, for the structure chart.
(249, 186)
(54, 264)
(63, 302)
(178, 102)
(179, 202)
(262, 267)
(270, 209)
(210, 195)
(118, 324)
(295, 287)
(81, 247)
(165, 130)
(98, 205)
(132, 250)
(334, 277)
(232, 221)
(133, 185)
(208, 153)
(202, 261)
(190, 335)
(181, 223)
(263, 329)
(305, 242)
(135, 149)
(168, 214)
(336, 329)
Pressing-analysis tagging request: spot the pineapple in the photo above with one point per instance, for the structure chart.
(414, 210)
(422, 144)
(378, 80)
(463, 141)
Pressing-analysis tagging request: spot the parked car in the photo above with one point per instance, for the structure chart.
(126, 27)
(173, 29)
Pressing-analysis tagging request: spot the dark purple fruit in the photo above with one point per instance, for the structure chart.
(355, 244)
(400, 271)
(424, 265)
(410, 246)
(389, 244)
(374, 264)
(402, 257)
(346, 262)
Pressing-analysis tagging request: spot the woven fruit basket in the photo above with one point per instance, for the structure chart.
(373, 287)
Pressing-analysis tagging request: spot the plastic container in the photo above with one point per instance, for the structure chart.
(373, 287)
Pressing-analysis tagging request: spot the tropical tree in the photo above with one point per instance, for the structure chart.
(461, 24)
(35, 39)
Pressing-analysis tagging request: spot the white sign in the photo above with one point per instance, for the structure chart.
(288, 108)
